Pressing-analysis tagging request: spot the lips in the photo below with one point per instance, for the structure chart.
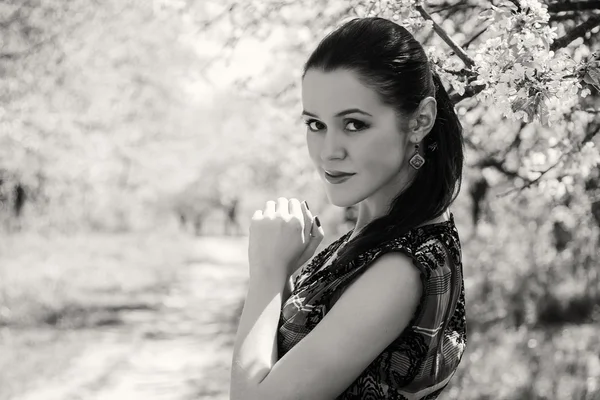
(337, 174)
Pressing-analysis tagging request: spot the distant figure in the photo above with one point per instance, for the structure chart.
(562, 235)
(3, 196)
(478, 191)
(232, 226)
(198, 220)
(20, 197)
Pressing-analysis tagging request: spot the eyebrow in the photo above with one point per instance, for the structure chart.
(340, 114)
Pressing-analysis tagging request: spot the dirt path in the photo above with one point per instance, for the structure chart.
(182, 351)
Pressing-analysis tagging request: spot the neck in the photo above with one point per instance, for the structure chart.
(362, 222)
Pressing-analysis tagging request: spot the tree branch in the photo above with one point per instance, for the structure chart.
(531, 182)
(451, 8)
(576, 32)
(463, 72)
(468, 42)
(441, 33)
(569, 16)
(588, 137)
(559, 43)
(203, 25)
(499, 166)
(470, 91)
(516, 141)
(560, 6)
(496, 159)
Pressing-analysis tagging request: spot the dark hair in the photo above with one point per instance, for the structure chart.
(389, 60)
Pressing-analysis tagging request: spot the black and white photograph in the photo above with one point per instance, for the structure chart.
(299, 200)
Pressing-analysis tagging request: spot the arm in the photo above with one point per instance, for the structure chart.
(288, 289)
(255, 348)
(370, 314)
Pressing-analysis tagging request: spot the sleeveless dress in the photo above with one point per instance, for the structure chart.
(419, 363)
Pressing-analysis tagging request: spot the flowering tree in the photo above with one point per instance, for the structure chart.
(522, 70)
(512, 60)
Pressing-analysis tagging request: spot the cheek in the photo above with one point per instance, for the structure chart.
(383, 157)
(313, 146)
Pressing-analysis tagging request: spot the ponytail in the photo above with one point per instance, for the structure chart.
(435, 187)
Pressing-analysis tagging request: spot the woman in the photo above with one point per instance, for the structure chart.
(379, 313)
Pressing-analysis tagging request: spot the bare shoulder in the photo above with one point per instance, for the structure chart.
(391, 270)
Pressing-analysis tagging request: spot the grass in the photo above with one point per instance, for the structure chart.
(47, 281)
(56, 292)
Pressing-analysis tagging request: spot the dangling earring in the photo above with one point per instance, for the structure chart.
(416, 161)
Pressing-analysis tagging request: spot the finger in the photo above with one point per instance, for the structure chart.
(296, 210)
(257, 214)
(270, 209)
(317, 234)
(317, 229)
(308, 218)
(283, 207)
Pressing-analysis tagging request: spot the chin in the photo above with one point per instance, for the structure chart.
(342, 201)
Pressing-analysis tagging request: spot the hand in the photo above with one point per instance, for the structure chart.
(280, 237)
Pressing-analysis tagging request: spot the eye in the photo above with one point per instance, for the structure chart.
(359, 126)
(309, 122)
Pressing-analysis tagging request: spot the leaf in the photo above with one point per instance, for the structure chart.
(542, 112)
(526, 105)
(534, 106)
(518, 104)
(592, 76)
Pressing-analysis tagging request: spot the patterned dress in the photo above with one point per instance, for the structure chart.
(419, 363)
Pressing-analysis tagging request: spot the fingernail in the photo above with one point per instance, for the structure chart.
(306, 204)
(317, 221)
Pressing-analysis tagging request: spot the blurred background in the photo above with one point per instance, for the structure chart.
(137, 137)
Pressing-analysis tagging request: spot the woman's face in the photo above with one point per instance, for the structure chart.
(351, 131)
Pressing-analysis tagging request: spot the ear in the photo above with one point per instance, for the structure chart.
(423, 118)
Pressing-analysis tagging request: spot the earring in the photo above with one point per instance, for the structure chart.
(416, 161)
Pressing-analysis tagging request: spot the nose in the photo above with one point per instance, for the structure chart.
(332, 148)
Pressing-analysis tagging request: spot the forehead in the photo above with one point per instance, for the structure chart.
(329, 92)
